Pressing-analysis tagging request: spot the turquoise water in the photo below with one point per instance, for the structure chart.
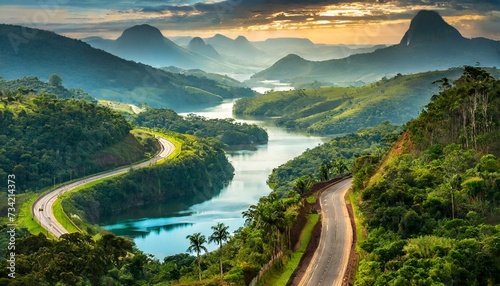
(161, 229)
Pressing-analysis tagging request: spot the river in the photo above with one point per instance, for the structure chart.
(161, 229)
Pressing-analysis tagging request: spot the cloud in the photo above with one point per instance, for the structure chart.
(112, 17)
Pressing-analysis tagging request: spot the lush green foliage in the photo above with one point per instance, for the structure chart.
(75, 259)
(225, 130)
(200, 170)
(335, 110)
(46, 141)
(323, 162)
(432, 211)
(35, 85)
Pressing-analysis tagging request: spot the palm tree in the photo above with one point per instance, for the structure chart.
(219, 236)
(196, 242)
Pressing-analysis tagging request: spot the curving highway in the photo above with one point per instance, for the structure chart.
(330, 260)
(42, 208)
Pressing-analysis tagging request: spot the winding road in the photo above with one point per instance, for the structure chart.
(42, 208)
(330, 260)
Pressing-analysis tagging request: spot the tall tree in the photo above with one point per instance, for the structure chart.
(196, 244)
(55, 80)
(219, 236)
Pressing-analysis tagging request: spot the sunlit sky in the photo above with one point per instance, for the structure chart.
(332, 22)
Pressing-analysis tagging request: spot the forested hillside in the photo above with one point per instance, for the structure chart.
(334, 157)
(432, 207)
(225, 130)
(334, 110)
(46, 141)
(200, 170)
(53, 86)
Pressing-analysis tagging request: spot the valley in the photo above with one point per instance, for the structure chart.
(250, 143)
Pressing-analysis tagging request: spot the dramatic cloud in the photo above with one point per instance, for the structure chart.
(342, 20)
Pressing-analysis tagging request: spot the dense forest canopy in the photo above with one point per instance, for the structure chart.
(226, 130)
(432, 208)
(46, 141)
(35, 85)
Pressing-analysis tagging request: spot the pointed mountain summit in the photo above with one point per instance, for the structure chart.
(429, 44)
(428, 27)
(199, 46)
(146, 44)
(242, 46)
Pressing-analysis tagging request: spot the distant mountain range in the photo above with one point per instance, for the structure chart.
(146, 44)
(429, 44)
(32, 52)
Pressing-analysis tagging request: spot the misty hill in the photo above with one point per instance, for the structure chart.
(99, 73)
(334, 110)
(146, 44)
(199, 46)
(429, 44)
(221, 79)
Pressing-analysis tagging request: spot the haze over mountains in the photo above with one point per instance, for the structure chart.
(146, 44)
(429, 44)
(31, 52)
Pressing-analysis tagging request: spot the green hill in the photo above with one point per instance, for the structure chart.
(35, 85)
(333, 110)
(32, 52)
(432, 209)
(46, 141)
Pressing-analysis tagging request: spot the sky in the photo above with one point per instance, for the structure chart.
(322, 21)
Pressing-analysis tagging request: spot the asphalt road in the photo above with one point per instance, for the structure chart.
(330, 260)
(42, 208)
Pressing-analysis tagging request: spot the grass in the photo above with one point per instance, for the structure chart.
(280, 276)
(312, 198)
(358, 217)
(25, 219)
(63, 218)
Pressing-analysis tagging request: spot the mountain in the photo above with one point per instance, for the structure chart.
(243, 47)
(32, 52)
(429, 28)
(429, 44)
(220, 41)
(199, 46)
(146, 44)
(239, 50)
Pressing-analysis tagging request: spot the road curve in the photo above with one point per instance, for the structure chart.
(330, 260)
(42, 208)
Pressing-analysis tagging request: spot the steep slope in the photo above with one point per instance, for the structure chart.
(31, 52)
(429, 44)
(433, 202)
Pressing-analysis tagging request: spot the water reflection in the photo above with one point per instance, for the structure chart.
(161, 229)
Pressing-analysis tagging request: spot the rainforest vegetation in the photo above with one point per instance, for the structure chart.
(45, 140)
(432, 206)
(225, 130)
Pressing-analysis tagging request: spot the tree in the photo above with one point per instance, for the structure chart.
(303, 184)
(219, 236)
(55, 80)
(197, 241)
